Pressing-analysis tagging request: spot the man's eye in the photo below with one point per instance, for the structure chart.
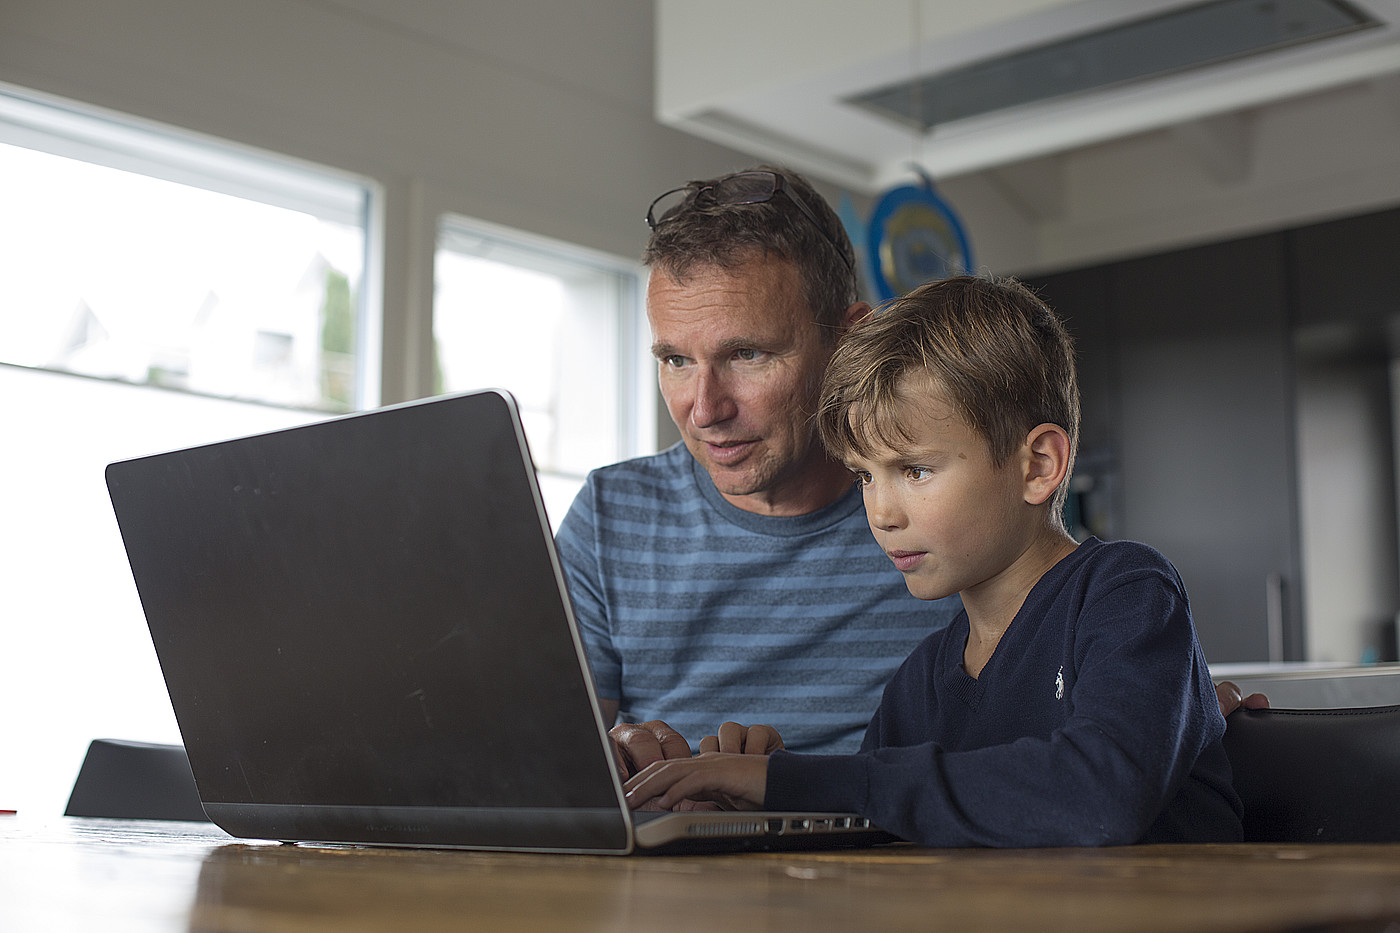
(673, 361)
(748, 354)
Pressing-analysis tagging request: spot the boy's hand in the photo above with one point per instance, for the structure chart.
(735, 782)
(639, 745)
(743, 740)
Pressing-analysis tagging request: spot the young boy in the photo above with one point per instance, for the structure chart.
(1069, 703)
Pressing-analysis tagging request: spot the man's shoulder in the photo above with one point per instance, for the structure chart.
(636, 497)
(665, 475)
(675, 459)
(924, 656)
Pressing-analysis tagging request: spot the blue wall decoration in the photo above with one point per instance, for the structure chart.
(914, 237)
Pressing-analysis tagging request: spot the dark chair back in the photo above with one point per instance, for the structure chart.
(1317, 775)
(135, 781)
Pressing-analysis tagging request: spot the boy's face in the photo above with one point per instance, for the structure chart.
(948, 518)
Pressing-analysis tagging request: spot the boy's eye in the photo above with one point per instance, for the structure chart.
(917, 472)
(862, 477)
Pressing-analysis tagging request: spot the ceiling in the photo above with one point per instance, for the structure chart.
(780, 78)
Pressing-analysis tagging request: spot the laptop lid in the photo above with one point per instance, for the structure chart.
(365, 635)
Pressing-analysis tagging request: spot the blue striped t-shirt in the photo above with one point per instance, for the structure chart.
(696, 612)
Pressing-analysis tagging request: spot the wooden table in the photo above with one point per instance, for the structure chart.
(71, 874)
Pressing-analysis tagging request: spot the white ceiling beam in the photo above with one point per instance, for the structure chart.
(1035, 188)
(1387, 88)
(1223, 145)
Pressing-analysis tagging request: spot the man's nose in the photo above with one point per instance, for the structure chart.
(713, 402)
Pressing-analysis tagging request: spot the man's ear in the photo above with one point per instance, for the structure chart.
(853, 315)
(1046, 458)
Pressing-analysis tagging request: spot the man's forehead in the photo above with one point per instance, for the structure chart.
(758, 274)
(727, 307)
(726, 337)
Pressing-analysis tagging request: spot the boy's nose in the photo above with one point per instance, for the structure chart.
(882, 509)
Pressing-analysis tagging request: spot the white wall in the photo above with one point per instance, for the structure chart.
(1346, 498)
(1328, 155)
(534, 115)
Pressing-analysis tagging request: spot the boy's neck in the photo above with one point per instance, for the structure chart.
(992, 605)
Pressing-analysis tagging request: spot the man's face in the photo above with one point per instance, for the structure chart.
(741, 359)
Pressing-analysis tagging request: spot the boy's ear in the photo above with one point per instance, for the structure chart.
(1046, 458)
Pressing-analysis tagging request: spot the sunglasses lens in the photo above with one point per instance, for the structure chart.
(745, 188)
(669, 205)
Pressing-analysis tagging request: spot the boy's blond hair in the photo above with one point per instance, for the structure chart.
(998, 354)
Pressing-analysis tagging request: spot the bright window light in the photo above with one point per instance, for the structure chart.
(559, 329)
(136, 254)
(122, 276)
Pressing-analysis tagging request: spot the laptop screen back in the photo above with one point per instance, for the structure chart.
(366, 613)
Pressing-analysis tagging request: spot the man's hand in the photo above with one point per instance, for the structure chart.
(743, 740)
(1229, 698)
(639, 745)
(735, 782)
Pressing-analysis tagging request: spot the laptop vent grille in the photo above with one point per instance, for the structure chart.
(723, 829)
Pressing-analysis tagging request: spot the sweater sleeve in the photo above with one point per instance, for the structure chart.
(1137, 721)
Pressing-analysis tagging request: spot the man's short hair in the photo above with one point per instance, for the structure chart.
(999, 355)
(705, 234)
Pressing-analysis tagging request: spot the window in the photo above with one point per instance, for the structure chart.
(136, 260)
(560, 329)
(135, 254)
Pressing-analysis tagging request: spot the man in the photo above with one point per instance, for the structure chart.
(729, 574)
(726, 576)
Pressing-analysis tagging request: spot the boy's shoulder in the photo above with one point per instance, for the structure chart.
(1105, 573)
(1099, 558)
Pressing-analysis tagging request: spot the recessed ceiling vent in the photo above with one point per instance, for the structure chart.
(1181, 40)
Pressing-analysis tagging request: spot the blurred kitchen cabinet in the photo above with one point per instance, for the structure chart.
(1188, 397)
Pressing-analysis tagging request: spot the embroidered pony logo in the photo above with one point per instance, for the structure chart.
(1060, 683)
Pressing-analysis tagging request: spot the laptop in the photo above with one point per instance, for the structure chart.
(366, 637)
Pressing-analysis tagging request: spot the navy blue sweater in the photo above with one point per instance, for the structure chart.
(1095, 722)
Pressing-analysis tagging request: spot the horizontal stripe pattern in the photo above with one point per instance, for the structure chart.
(697, 612)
